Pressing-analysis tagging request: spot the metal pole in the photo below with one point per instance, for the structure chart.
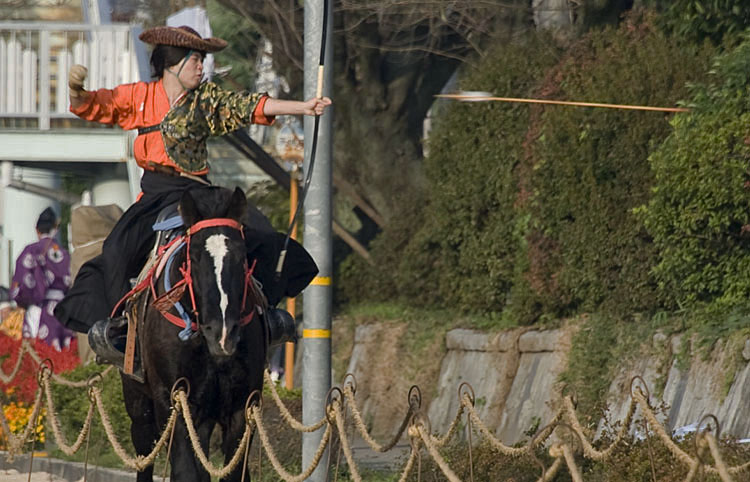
(316, 336)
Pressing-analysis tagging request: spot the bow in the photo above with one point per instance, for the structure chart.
(314, 147)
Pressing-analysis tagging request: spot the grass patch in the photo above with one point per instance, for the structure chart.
(602, 346)
(284, 393)
(718, 326)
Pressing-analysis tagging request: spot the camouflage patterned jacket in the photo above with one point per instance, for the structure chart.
(174, 137)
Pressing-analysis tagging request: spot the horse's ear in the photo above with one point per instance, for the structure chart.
(188, 209)
(237, 205)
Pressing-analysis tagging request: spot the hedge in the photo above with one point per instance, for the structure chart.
(454, 243)
(589, 169)
(528, 212)
(698, 213)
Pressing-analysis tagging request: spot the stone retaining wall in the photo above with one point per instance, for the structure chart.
(691, 392)
(514, 375)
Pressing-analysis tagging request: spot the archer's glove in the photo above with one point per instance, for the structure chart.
(76, 76)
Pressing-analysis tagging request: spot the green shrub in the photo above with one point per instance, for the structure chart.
(589, 168)
(650, 459)
(528, 212)
(697, 213)
(473, 167)
(455, 246)
(718, 20)
(488, 464)
(394, 269)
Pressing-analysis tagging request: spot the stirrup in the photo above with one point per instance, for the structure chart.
(107, 338)
(281, 327)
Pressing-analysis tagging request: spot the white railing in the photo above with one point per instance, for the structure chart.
(35, 58)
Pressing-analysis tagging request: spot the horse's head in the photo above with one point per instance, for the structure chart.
(218, 264)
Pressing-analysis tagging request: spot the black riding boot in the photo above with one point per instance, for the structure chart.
(281, 327)
(108, 338)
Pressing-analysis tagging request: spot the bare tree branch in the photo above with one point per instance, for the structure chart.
(266, 31)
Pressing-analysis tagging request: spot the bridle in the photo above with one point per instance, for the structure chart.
(173, 294)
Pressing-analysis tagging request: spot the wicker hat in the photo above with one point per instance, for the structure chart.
(183, 36)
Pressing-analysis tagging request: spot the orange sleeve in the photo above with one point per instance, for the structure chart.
(109, 106)
(259, 117)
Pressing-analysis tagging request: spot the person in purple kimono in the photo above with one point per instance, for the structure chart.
(41, 279)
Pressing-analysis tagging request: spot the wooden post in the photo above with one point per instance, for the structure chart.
(290, 304)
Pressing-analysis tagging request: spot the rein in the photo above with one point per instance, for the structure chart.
(171, 298)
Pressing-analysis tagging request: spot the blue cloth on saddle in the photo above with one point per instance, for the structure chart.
(186, 332)
(169, 223)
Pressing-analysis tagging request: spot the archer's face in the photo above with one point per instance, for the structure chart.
(192, 70)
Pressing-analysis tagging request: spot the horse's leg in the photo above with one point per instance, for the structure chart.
(143, 431)
(231, 436)
(184, 462)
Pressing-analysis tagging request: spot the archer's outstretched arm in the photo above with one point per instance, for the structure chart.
(314, 106)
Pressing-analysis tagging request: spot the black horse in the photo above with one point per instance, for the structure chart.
(223, 352)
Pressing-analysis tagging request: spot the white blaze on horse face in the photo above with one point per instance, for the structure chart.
(216, 245)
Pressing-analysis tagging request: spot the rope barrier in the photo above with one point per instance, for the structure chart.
(409, 465)
(452, 428)
(362, 429)
(720, 465)
(677, 452)
(339, 419)
(415, 424)
(501, 447)
(588, 449)
(25, 348)
(552, 472)
(285, 413)
(433, 451)
(139, 462)
(268, 448)
(16, 441)
(239, 453)
(570, 461)
(54, 424)
(693, 471)
(9, 378)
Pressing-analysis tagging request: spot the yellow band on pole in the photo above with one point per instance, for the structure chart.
(313, 333)
(321, 281)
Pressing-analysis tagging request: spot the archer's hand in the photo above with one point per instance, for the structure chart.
(316, 106)
(76, 76)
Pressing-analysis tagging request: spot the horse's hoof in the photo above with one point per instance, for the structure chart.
(281, 327)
